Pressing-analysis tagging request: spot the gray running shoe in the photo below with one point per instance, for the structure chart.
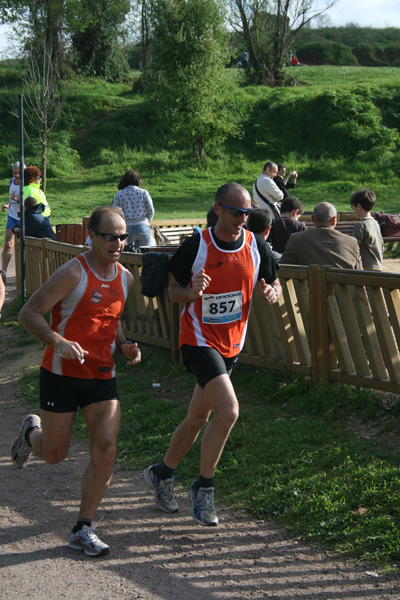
(163, 491)
(20, 450)
(202, 501)
(85, 539)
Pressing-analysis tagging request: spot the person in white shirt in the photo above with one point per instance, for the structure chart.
(12, 207)
(266, 193)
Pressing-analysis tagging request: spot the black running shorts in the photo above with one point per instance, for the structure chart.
(206, 363)
(61, 394)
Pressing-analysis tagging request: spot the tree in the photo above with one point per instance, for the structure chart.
(92, 27)
(41, 21)
(269, 30)
(96, 45)
(187, 71)
(44, 98)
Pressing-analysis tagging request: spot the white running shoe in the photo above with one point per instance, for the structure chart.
(202, 501)
(163, 491)
(21, 451)
(85, 539)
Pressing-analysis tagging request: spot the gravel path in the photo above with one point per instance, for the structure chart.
(154, 556)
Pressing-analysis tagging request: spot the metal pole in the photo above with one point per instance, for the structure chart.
(21, 192)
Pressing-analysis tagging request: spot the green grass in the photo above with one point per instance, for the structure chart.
(339, 130)
(321, 460)
(333, 76)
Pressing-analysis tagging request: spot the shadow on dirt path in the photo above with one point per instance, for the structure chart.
(154, 556)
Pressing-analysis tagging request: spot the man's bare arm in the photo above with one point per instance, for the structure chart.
(180, 293)
(60, 285)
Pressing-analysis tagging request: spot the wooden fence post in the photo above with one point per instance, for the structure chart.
(319, 333)
(174, 324)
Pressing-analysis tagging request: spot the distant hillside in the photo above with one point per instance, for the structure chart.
(350, 45)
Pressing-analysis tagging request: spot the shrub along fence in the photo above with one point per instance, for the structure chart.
(336, 324)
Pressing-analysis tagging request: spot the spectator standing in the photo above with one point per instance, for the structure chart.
(322, 244)
(86, 297)
(32, 177)
(36, 225)
(282, 180)
(214, 274)
(288, 223)
(12, 220)
(367, 231)
(137, 206)
(266, 193)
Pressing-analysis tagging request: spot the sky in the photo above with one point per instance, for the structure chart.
(367, 13)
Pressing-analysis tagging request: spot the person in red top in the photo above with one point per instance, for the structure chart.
(214, 275)
(86, 297)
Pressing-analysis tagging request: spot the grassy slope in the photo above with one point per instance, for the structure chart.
(113, 130)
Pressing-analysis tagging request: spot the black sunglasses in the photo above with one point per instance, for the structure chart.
(110, 237)
(236, 212)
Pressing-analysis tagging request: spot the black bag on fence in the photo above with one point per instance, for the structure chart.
(389, 224)
(154, 273)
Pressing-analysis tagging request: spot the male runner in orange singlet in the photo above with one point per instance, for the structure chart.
(86, 297)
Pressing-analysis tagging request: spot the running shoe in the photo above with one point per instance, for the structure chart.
(202, 501)
(21, 451)
(85, 539)
(163, 491)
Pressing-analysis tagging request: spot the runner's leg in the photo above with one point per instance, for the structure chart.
(186, 433)
(51, 442)
(103, 420)
(222, 399)
(7, 250)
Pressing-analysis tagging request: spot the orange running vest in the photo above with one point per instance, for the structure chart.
(89, 316)
(219, 317)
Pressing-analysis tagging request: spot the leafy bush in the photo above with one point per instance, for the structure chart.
(326, 53)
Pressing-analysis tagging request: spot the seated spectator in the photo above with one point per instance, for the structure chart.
(36, 225)
(212, 218)
(322, 244)
(367, 231)
(259, 222)
(288, 223)
(282, 180)
(32, 179)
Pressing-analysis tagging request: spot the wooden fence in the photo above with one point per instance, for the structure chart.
(335, 324)
(177, 229)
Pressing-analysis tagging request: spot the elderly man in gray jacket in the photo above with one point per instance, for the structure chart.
(322, 244)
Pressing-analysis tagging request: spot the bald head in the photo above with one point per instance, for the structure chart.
(233, 194)
(324, 215)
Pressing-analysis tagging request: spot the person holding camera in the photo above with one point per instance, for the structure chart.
(282, 180)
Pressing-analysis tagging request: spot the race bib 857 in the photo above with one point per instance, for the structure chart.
(222, 308)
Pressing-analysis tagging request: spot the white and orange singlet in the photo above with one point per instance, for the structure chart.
(90, 316)
(219, 317)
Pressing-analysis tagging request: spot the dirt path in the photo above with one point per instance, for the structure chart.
(154, 556)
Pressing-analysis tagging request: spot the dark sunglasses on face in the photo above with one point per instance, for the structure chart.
(236, 212)
(110, 237)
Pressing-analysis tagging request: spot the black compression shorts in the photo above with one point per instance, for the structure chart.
(61, 394)
(206, 363)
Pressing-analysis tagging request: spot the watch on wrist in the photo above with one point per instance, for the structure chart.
(122, 343)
